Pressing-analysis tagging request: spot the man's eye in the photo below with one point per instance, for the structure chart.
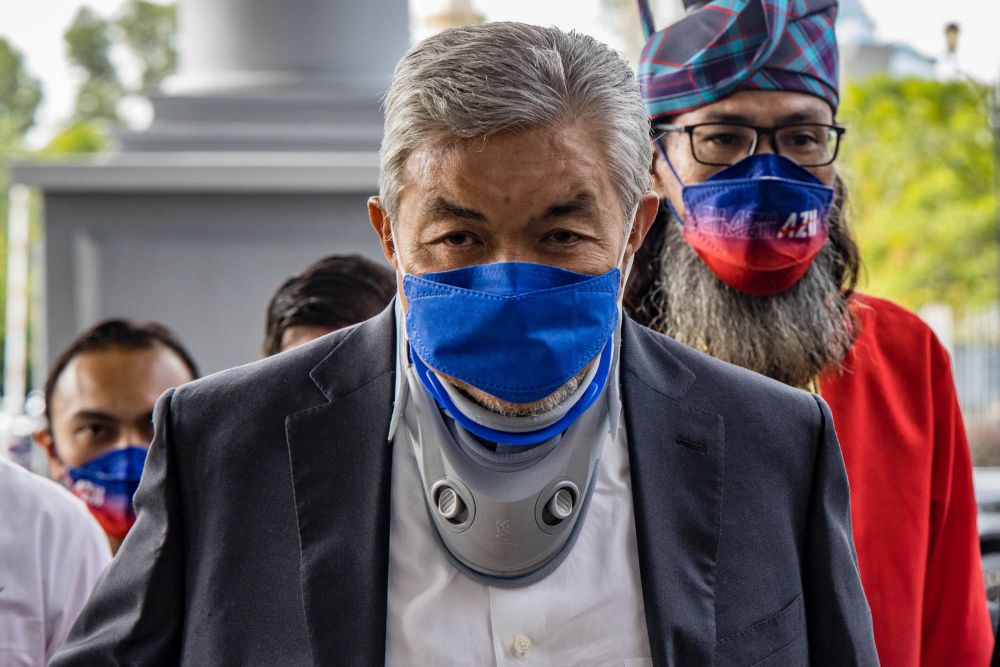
(92, 431)
(723, 139)
(804, 139)
(562, 237)
(458, 239)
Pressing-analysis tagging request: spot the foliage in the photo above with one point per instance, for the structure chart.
(146, 30)
(89, 39)
(919, 163)
(20, 95)
(85, 136)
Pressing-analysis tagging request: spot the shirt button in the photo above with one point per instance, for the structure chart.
(521, 645)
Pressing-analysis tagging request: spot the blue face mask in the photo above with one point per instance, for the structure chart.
(107, 484)
(514, 330)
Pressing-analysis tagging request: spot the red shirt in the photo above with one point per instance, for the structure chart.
(912, 502)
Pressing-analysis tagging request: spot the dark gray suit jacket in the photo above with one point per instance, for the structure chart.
(263, 527)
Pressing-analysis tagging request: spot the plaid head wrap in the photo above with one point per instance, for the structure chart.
(725, 46)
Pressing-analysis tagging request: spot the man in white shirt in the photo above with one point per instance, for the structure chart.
(498, 469)
(51, 552)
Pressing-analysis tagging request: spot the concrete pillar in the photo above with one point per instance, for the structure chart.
(308, 46)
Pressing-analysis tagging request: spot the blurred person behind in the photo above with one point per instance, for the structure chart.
(752, 260)
(51, 553)
(332, 293)
(99, 398)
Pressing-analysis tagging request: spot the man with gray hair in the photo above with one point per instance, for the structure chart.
(499, 468)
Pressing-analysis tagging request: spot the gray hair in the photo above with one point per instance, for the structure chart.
(476, 81)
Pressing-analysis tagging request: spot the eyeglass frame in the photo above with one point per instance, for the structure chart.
(660, 129)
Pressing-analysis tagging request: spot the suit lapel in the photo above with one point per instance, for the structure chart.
(676, 462)
(341, 461)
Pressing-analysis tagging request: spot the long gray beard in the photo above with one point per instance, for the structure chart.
(790, 336)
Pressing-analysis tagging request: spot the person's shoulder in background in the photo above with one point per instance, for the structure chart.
(890, 322)
(51, 551)
(893, 349)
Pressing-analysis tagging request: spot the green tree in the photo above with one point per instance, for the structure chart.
(89, 39)
(20, 95)
(149, 29)
(918, 159)
(85, 136)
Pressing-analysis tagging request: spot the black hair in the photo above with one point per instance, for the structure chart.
(335, 292)
(116, 334)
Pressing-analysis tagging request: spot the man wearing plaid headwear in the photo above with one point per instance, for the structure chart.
(752, 261)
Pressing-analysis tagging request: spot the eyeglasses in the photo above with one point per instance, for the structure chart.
(723, 144)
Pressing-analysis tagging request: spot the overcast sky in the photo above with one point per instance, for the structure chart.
(36, 29)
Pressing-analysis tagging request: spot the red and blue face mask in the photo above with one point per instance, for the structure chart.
(757, 224)
(107, 484)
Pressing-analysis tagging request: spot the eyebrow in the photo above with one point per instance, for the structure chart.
(802, 117)
(442, 208)
(95, 415)
(790, 119)
(583, 202)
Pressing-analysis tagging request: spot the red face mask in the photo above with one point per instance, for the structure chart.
(758, 224)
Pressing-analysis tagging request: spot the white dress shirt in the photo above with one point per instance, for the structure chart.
(51, 553)
(589, 611)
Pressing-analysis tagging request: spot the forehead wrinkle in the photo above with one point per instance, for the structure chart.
(583, 202)
(511, 187)
(501, 175)
(441, 207)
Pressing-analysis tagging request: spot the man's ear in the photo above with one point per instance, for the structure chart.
(645, 216)
(383, 228)
(43, 438)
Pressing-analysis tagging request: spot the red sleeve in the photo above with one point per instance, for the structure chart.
(956, 623)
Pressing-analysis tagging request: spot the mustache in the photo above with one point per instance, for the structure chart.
(791, 336)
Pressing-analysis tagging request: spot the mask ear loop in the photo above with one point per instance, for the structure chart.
(670, 166)
(626, 270)
(399, 255)
(403, 350)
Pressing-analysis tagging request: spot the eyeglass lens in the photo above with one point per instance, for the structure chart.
(723, 144)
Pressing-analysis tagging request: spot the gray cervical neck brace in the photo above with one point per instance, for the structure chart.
(506, 518)
(509, 517)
